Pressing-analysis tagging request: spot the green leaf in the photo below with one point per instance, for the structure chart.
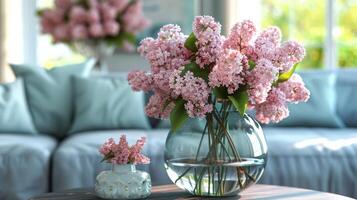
(120, 38)
(129, 37)
(167, 103)
(178, 115)
(83, 3)
(40, 12)
(240, 101)
(192, 67)
(286, 76)
(252, 64)
(117, 41)
(190, 43)
(108, 156)
(196, 70)
(220, 92)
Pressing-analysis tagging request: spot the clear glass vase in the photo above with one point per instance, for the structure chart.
(218, 156)
(123, 182)
(97, 49)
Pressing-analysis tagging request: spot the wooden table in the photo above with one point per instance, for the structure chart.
(171, 192)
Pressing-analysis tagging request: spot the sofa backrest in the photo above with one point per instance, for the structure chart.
(346, 95)
(346, 87)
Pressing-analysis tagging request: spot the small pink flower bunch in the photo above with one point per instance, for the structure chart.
(115, 21)
(121, 153)
(247, 69)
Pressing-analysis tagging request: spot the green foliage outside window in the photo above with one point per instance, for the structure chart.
(305, 20)
(347, 33)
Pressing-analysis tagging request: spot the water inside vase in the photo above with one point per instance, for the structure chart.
(219, 179)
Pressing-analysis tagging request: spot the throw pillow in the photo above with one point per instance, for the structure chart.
(107, 103)
(321, 109)
(347, 96)
(15, 116)
(49, 94)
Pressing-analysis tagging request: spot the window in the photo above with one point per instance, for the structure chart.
(303, 21)
(327, 28)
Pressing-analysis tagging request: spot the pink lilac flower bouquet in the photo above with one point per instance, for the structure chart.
(121, 153)
(113, 21)
(248, 69)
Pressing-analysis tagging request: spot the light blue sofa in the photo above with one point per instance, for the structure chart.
(321, 157)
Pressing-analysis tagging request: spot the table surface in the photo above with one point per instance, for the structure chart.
(171, 192)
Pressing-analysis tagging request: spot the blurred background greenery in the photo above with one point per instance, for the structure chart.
(305, 21)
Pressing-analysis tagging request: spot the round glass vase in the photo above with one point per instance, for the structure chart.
(218, 156)
(123, 182)
(96, 49)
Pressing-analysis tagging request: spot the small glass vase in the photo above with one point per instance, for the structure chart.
(99, 50)
(219, 156)
(123, 182)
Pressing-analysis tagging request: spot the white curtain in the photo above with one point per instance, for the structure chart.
(5, 72)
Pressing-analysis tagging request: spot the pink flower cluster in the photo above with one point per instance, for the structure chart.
(209, 40)
(121, 153)
(260, 80)
(240, 36)
(193, 90)
(283, 56)
(167, 52)
(159, 106)
(228, 70)
(245, 60)
(92, 19)
(274, 109)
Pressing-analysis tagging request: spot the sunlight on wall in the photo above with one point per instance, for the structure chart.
(14, 41)
(5, 73)
(241, 9)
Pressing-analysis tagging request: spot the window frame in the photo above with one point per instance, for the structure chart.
(330, 49)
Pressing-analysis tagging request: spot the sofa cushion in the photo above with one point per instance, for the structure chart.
(321, 109)
(24, 165)
(315, 158)
(107, 103)
(347, 96)
(76, 162)
(49, 95)
(14, 113)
